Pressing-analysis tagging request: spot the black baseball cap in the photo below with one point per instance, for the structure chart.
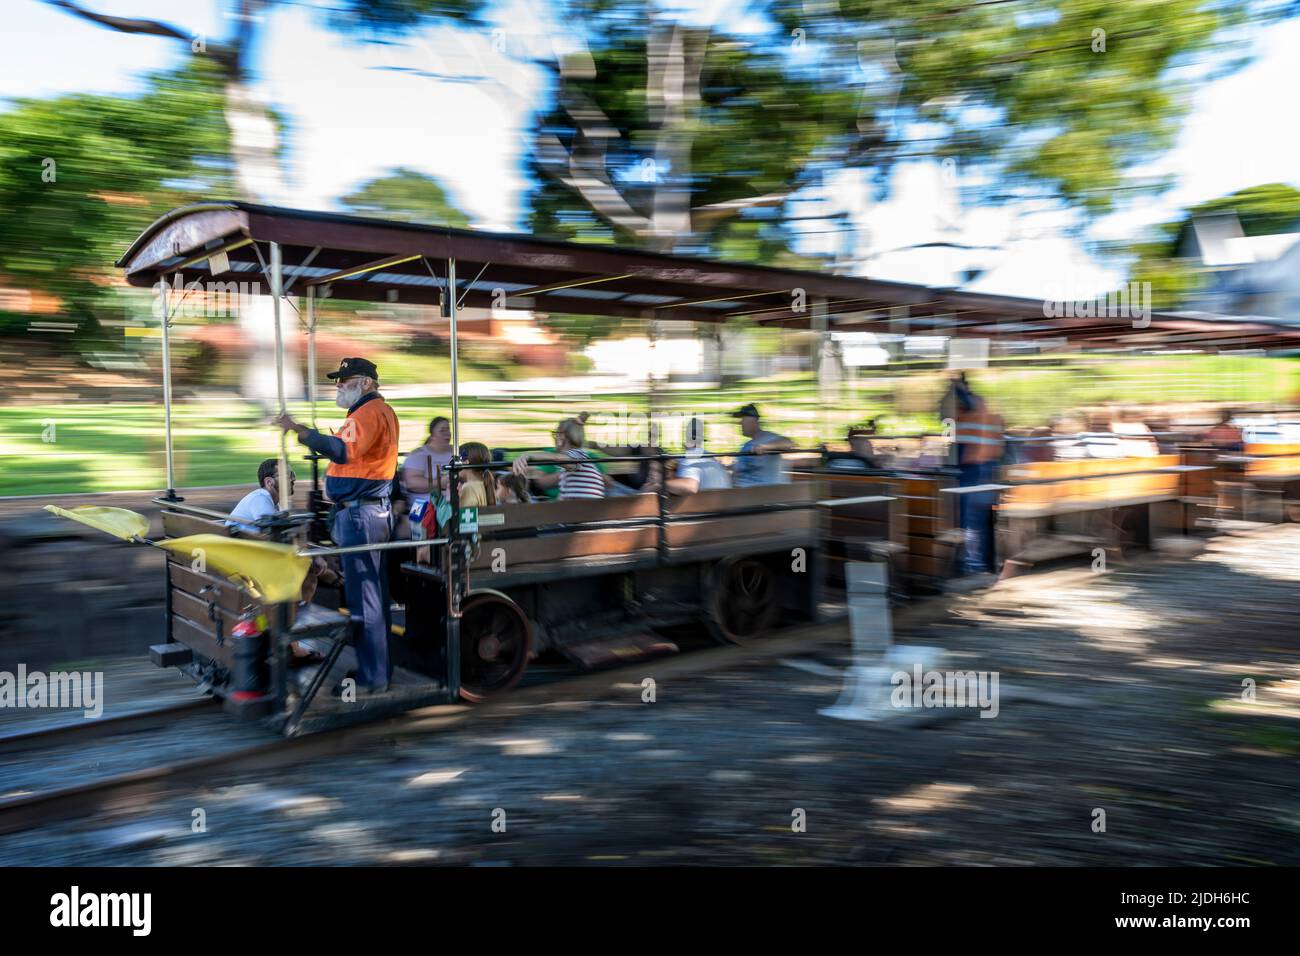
(350, 367)
(745, 411)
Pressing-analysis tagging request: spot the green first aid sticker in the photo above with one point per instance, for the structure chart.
(468, 520)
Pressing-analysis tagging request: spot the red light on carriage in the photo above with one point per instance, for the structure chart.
(249, 626)
(246, 628)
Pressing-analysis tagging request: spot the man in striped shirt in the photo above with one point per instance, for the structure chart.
(577, 477)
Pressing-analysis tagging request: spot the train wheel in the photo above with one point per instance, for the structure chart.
(744, 604)
(496, 638)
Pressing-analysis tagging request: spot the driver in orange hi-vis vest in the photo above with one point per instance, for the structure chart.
(363, 461)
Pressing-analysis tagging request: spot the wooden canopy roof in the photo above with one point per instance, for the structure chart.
(367, 259)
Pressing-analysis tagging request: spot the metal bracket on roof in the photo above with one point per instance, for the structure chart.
(302, 265)
(461, 301)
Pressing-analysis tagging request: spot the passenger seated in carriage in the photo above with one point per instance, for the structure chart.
(758, 462)
(1136, 440)
(578, 477)
(422, 471)
(695, 472)
(860, 457)
(648, 474)
(1225, 436)
(477, 487)
(512, 490)
(262, 501)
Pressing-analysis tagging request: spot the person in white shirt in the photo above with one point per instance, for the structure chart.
(263, 501)
(695, 472)
(1136, 440)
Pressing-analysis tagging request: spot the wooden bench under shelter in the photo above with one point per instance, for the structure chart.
(1054, 509)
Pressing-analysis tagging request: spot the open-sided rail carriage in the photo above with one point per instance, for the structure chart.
(522, 579)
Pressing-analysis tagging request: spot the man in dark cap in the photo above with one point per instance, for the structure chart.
(363, 461)
(757, 463)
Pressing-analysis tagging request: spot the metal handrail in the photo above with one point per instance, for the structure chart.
(382, 546)
(197, 511)
(457, 465)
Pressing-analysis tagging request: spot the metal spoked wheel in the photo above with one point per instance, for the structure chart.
(744, 603)
(496, 638)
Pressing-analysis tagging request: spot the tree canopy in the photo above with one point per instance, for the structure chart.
(81, 174)
(679, 136)
(406, 195)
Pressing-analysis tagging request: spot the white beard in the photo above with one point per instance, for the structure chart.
(347, 397)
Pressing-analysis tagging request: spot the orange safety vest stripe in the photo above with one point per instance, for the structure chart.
(981, 432)
(370, 434)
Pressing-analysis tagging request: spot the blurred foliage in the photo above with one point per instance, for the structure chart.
(81, 175)
(1054, 98)
(754, 131)
(1057, 99)
(406, 195)
(1262, 210)
(381, 18)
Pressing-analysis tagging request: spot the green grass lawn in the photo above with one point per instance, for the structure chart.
(61, 449)
(51, 449)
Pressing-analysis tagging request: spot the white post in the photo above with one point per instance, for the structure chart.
(455, 391)
(818, 325)
(311, 351)
(277, 284)
(167, 386)
(868, 691)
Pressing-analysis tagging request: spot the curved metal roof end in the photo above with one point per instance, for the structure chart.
(164, 219)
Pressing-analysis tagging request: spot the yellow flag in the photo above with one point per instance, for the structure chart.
(118, 522)
(274, 572)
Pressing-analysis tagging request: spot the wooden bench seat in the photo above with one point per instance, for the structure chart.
(1042, 489)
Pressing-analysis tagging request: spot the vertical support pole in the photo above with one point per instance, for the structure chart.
(167, 387)
(652, 380)
(455, 391)
(277, 286)
(455, 564)
(818, 326)
(455, 580)
(315, 497)
(311, 351)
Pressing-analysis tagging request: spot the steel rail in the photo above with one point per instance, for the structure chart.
(102, 727)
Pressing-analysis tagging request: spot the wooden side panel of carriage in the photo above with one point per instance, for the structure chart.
(205, 606)
(918, 523)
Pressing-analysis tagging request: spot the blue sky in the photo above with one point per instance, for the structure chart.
(357, 110)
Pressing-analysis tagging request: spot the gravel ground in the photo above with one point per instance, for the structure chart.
(1120, 693)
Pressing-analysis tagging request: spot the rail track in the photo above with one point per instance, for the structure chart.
(116, 790)
(87, 730)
